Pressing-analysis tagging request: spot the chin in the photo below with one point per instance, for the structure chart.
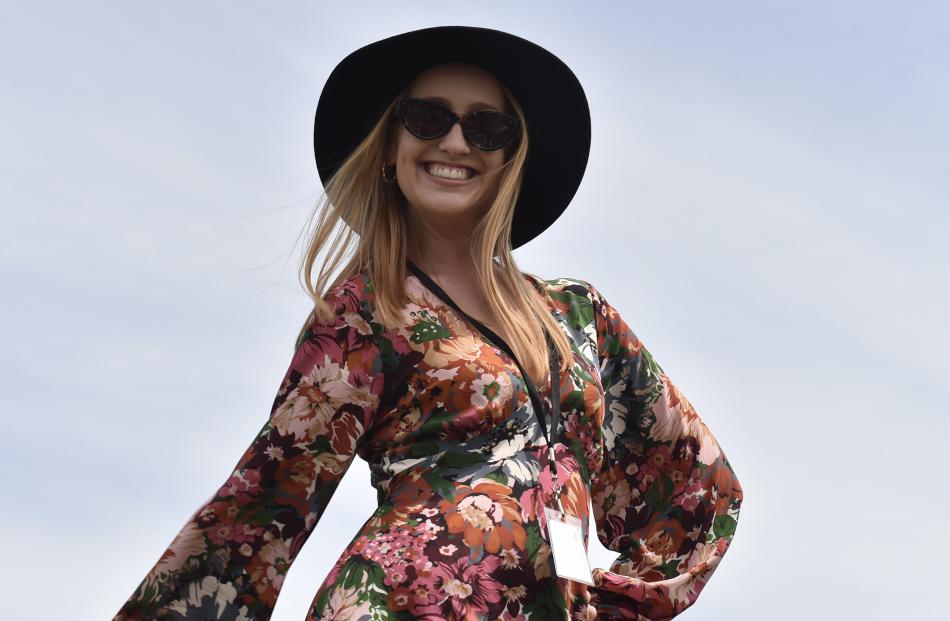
(447, 205)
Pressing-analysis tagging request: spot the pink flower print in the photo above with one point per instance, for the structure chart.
(241, 482)
(394, 577)
(470, 587)
(424, 590)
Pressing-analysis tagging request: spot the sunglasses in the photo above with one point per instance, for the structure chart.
(486, 129)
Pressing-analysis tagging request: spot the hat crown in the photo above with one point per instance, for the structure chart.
(367, 80)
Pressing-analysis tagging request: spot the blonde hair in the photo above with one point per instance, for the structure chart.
(375, 211)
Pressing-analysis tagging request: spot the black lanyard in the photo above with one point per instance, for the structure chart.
(499, 342)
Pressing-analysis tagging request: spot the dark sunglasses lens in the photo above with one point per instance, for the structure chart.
(489, 130)
(425, 120)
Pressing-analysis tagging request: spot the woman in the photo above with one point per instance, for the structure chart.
(431, 356)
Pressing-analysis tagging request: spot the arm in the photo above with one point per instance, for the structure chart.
(231, 556)
(666, 497)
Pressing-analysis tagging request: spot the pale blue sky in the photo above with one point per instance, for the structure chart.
(766, 203)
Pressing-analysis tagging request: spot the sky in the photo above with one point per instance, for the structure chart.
(765, 203)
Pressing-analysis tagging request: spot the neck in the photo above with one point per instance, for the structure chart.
(440, 258)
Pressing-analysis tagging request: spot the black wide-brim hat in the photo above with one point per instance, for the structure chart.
(554, 104)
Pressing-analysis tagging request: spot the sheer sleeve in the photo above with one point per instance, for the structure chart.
(666, 497)
(229, 560)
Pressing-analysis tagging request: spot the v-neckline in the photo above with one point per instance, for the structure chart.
(440, 293)
(488, 333)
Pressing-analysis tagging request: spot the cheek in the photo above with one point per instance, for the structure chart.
(495, 166)
(497, 159)
(407, 147)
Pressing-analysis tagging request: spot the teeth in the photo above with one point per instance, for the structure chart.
(439, 170)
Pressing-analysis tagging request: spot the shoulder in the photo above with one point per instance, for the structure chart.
(575, 298)
(351, 310)
(566, 288)
(350, 290)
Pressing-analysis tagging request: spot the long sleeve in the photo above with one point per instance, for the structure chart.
(229, 560)
(666, 497)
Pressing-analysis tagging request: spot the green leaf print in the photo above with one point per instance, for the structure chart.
(388, 359)
(550, 604)
(427, 328)
(658, 496)
(573, 401)
(365, 578)
(354, 572)
(577, 447)
(377, 593)
(534, 540)
(255, 514)
(582, 377)
(669, 569)
(435, 424)
(350, 576)
(499, 477)
(455, 459)
(423, 449)
(581, 311)
(611, 348)
(724, 526)
(445, 489)
(650, 385)
(320, 445)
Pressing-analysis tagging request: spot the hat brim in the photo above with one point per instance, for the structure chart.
(556, 110)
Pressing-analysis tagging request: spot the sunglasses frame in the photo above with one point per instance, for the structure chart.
(400, 113)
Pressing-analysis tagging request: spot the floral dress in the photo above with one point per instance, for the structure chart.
(445, 417)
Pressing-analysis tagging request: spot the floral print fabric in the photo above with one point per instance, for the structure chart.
(443, 418)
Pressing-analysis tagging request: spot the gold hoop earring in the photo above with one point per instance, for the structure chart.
(388, 173)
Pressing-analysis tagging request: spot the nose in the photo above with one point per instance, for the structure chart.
(454, 141)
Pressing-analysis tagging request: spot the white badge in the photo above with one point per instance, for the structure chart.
(567, 546)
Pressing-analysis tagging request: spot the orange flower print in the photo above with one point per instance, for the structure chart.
(661, 540)
(487, 515)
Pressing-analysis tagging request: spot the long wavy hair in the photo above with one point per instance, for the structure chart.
(376, 213)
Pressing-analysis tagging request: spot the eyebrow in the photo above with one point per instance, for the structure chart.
(474, 104)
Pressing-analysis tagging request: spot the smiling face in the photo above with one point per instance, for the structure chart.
(457, 202)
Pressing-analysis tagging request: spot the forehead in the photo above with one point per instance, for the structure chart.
(459, 85)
